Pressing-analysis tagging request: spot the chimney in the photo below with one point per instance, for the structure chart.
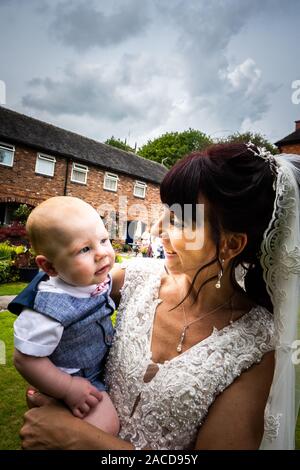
(297, 125)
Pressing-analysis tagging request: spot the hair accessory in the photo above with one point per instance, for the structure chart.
(266, 155)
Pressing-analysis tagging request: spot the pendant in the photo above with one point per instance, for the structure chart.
(179, 347)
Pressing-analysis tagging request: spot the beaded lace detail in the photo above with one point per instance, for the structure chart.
(167, 412)
(280, 260)
(272, 424)
(280, 254)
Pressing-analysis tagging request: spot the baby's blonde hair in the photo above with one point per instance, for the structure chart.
(47, 222)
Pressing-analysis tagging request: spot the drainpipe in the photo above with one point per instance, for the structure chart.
(66, 177)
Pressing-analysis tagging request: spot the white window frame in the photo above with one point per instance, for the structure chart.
(110, 177)
(140, 185)
(80, 169)
(48, 158)
(10, 148)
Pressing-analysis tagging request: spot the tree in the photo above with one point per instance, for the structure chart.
(172, 146)
(119, 144)
(256, 138)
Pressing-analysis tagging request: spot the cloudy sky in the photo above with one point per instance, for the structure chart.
(138, 68)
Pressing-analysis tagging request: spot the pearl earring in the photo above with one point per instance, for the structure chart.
(220, 274)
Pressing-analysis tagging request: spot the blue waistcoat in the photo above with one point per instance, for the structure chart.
(88, 331)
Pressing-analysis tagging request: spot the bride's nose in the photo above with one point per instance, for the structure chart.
(156, 228)
(164, 235)
(159, 230)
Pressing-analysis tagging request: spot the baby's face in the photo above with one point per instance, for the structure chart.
(87, 256)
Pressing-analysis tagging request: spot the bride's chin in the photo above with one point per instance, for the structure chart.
(173, 262)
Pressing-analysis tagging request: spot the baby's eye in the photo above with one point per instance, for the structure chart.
(84, 250)
(103, 241)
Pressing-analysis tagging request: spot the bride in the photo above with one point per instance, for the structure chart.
(198, 362)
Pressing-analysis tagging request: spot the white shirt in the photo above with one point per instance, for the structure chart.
(38, 335)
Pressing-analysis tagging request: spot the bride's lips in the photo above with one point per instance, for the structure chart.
(169, 253)
(100, 271)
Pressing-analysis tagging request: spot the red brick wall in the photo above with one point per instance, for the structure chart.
(21, 184)
(292, 148)
(95, 195)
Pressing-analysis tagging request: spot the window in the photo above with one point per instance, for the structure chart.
(79, 173)
(139, 189)
(45, 165)
(110, 182)
(6, 154)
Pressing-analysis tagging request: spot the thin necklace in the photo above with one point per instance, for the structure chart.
(187, 325)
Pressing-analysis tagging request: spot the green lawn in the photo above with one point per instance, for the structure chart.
(12, 403)
(12, 288)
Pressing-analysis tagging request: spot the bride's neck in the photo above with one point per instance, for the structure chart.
(203, 296)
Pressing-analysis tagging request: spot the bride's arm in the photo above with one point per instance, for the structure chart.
(235, 420)
(54, 427)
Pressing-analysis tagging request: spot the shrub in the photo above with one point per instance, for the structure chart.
(8, 272)
(126, 248)
(116, 246)
(8, 251)
(14, 233)
(22, 213)
(25, 259)
(5, 251)
(118, 259)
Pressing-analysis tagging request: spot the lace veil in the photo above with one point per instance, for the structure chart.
(280, 260)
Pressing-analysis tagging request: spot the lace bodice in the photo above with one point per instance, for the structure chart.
(167, 412)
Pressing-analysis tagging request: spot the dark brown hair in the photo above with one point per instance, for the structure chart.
(238, 186)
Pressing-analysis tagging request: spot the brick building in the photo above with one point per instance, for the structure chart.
(290, 143)
(39, 160)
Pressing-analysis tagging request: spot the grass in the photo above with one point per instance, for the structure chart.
(12, 288)
(12, 403)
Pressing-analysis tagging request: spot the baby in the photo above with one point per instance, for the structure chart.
(60, 345)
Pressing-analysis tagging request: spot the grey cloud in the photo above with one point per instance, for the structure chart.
(82, 25)
(39, 5)
(76, 95)
(102, 93)
(205, 32)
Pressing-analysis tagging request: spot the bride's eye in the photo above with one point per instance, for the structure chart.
(176, 222)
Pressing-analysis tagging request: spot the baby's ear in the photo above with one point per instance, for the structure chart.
(46, 265)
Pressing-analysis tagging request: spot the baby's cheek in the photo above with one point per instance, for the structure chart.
(112, 256)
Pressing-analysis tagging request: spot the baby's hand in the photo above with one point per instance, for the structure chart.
(81, 396)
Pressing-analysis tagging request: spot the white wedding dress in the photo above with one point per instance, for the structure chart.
(167, 412)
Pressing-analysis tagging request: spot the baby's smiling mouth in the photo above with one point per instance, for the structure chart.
(102, 269)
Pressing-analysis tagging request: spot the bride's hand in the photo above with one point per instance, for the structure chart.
(34, 398)
(47, 427)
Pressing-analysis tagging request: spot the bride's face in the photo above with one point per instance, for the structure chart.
(188, 245)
